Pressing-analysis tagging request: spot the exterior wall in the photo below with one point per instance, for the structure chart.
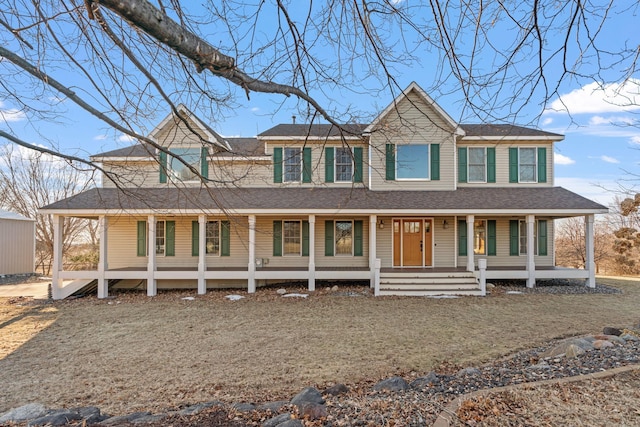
(502, 162)
(503, 259)
(176, 134)
(413, 121)
(17, 246)
(132, 174)
(341, 260)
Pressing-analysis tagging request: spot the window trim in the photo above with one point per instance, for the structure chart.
(170, 158)
(219, 226)
(164, 238)
(520, 237)
(335, 165)
(427, 162)
(535, 165)
(284, 254)
(335, 238)
(485, 166)
(286, 157)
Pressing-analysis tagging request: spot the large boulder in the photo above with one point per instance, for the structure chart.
(608, 330)
(424, 381)
(392, 384)
(336, 390)
(29, 411)
(308, 395)
(277, 421)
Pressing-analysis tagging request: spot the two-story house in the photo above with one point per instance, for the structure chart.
(413, 202)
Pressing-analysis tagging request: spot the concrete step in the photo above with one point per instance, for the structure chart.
(427, 293)
(405, 273)
(429, 280)
(430, 287)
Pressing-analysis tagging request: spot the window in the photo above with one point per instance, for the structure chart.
(477, 164)
(344, 165)
(212, 235)
(523, 238)
(344, 238)
(178, 170)
(527, 165)
(292, 164)
(160, 238)
(412, 162)
(480, 237)
(292, 238)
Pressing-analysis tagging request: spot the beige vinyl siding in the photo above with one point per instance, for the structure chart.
(131, 174)
(384, 242)
(264, 244)
(420, 124)
(341, 260)
(502, 162)
(17, 246)
(502, 258)
(176, 134)
(122, 238)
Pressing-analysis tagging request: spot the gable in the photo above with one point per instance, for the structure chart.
(187, 130)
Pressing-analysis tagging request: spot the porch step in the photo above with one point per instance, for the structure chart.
(428, 280)
(422, 274)
(428, 283)
(431, 287)
(429, 292)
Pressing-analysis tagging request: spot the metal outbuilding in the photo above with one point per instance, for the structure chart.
(17, 243)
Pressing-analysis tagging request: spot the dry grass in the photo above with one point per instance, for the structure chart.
(609, 401)
(135, 352)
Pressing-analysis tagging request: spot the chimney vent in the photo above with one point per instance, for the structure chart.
(294, 119)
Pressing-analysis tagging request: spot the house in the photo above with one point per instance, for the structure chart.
(17, 244)
(413, 202)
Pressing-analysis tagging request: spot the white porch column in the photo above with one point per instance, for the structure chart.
(373, 223)
(590, 264)
(470, 258)
(152, 288)
(202, 254)
(531, 251)
(251, 268)
(312, 253)
(103, 286)
(56, 282)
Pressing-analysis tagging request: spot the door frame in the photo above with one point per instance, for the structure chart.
(423, 219)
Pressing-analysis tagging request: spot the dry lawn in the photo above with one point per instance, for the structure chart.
(135, 352)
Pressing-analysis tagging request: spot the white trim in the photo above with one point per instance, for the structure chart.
(423, 220)
(103, 159)
(425, 97)
(536, 179)
(202, 254)
(486, 165)
(335, 165)
(335, 251)
(305, 138)
(298, 255)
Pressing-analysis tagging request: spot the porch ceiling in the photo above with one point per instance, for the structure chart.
(551, 201)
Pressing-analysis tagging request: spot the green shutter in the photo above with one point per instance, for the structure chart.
(390, 162)
(225, 238)
(462, 164)
(329, 161)
(491, 237)
(305, 238)
(491, 164)
(328, 238)
(306, 164)
(462, 238)
(204, 163)
(357, 238)
(142, 238)
(357, 162)
(277, 164)
(195, 238)
(163, 167)
(514, 243)
(277, 238)
(435, 162)
(542, 164)
(170, 231)
(513, 164)
(542, 237)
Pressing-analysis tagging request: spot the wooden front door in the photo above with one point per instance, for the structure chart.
(412, 242)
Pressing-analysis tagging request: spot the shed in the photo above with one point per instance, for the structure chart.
(17, 243)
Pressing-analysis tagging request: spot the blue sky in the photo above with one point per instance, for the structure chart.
(599, 120)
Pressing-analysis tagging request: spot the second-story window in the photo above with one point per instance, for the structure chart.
(412, 162)
(344, 165)
(177, 168)
(527, 165)
(477, 164)
(292, 164)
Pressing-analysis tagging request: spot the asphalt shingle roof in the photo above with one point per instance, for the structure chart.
(503, 130)
(239, 146)
(314, 130)
(548, 199)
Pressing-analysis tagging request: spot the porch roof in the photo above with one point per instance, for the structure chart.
(552, 201)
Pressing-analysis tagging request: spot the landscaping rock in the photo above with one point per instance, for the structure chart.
(244, 407)
(393, 384)
(273, 406)
(336, 390)
(629, 337)
(542, 366)
(600, 344)
(308, 395)
(148, 419)
(608, 330)
(197, 408)
(335, 288)
(130, 418)
(574, 351)
(26, 412)
(312, 411)
(276, 421)
(291, 423)
(468, 372)
(281, 291)
(56, 418)
(424, 381)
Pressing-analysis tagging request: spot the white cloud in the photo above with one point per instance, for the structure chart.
(125, 138)
(635, 139)
(10, 114)
(547, 121)
(609, 159)
(601, 191)
(613, 120)
(100, 137)
(560, 159)
(599, 98)
(255, 109)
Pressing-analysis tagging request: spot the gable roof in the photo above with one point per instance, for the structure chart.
(14, 216)
(132, 151)
(497, 131)
(414, 87)
(212, 135)
(495, 200)
(314, 131)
